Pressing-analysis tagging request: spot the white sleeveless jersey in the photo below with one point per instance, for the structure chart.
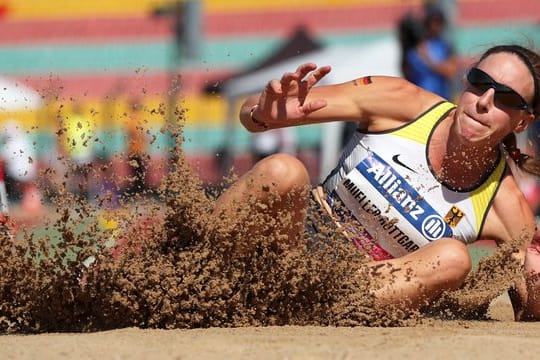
(385, 181)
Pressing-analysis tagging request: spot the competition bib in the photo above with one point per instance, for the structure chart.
(392, 211)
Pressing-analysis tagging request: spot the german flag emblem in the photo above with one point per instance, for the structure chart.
(453, 217)
(366, 80)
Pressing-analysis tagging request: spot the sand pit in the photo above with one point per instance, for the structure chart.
(495, 339)
(173, 280)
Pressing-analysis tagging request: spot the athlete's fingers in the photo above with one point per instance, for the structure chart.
(274, 86)
(305, 69)
(288, 77)
(287, 80)
(317, 75)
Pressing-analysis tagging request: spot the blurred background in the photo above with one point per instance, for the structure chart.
(94, 83)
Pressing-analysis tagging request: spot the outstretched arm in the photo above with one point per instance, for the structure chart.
(381, 102)
(511, 221)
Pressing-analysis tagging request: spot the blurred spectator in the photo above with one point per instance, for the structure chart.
(18, 155)
(410, 33)
(429, 60)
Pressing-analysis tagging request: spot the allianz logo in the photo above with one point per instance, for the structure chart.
(392, 184)
(407, 200)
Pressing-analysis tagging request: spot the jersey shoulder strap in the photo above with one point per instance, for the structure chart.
(419, 129)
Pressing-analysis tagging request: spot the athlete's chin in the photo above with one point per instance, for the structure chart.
(472, 138)
(472, 132)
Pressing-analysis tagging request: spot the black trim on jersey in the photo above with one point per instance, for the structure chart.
(479, 183)
(491, 202)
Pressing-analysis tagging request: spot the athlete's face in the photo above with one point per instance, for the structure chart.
(483, 116)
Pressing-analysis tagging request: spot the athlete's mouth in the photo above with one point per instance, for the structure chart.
(475, 119)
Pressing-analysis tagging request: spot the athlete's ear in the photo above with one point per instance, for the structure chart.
(523, 124)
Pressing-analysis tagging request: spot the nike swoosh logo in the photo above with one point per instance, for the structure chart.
(397, 161)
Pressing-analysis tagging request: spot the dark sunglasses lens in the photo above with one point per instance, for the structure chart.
(479, 80)
(503, 94)
(510, 99)
(482, 87)
(477, 77)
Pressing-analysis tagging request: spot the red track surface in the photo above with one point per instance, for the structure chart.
(277, 22)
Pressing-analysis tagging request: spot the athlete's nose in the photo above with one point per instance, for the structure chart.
(486, 100)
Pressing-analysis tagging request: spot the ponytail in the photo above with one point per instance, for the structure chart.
(524, 162)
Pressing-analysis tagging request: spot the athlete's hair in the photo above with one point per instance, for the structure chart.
(524, 161)
(531, 59)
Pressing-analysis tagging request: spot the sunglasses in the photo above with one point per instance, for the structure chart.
(504, 95)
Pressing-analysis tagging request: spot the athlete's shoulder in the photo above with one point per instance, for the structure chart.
(510, 216)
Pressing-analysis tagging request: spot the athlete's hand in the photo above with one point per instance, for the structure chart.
(529, 307)
(285, 99)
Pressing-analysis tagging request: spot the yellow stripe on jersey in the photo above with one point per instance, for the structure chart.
(418, 130)
(482, 196)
